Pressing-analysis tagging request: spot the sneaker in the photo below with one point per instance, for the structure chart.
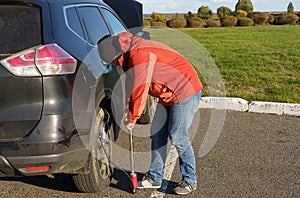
(148, 182)
(185, 187)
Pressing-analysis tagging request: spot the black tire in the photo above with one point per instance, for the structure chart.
(149, 111)
(99, 176)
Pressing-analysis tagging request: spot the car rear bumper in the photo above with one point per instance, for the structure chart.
(6, 170)
(58, 163)
(54, 143)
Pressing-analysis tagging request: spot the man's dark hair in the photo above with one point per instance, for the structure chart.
(109, 48)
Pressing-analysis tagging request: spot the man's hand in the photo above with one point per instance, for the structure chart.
(166, 96)
(127, 123)
(130, 126)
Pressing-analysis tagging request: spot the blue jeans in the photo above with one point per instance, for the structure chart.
(178, 118)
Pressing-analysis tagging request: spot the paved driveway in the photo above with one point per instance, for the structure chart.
(255, 155)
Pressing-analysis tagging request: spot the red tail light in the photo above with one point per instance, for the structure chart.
(37, 168)
(22, 64)
(45, 60)
(23, 60)
(53, 60)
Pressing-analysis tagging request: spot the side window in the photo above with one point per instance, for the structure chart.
(73, 22)
(93, 23)
(115, 25)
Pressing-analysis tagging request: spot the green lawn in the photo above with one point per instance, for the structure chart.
(255, 63)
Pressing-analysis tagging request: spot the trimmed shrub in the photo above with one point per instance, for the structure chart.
(146, 23)
(229, 21)
(195, 22)
(157, 20)
(157, 24)
(223, 12)
(157, 17)
(245, 21)
(176, 23)
(271, 19)
(259, 18)
(241, 13)
(213, 23)
(204, 12)
(286, 18)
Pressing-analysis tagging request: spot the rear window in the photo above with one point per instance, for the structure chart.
(20, 28)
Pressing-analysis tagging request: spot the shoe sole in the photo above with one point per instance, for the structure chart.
(185, 193)
(149, 187)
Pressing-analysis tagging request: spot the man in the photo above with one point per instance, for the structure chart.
(156, 69)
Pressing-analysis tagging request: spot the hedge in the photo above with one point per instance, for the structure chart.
(259, 18)
(229, 21)
(176, 23)
(286, 18)
(195, 22)
(158, 24)
(213, 23)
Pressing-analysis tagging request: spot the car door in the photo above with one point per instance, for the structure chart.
(93, 77)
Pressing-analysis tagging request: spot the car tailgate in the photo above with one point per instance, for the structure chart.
(21, 97)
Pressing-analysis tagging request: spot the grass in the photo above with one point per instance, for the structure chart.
(260, 63)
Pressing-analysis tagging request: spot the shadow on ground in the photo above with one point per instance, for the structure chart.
(61, 182)
(64, 183)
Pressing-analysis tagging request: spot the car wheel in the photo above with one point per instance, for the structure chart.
(99, 176)
(149, 111)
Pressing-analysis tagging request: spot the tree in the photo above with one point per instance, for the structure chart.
(244, 5)
(204, 12)
(223, 12)
(290, 8)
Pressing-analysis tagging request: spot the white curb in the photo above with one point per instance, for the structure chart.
(239, 104)
(235, 104)
(275, 108)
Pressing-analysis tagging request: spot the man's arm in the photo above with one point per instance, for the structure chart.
(140, 78)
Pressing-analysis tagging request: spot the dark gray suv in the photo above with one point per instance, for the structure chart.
(56, 104)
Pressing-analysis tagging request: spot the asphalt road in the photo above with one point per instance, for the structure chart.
(256, 155)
